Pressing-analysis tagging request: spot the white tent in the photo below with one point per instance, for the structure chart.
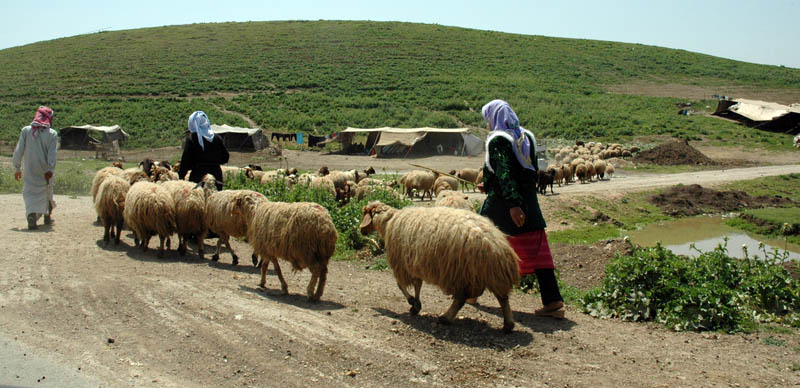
(387, 141)
(241, 139)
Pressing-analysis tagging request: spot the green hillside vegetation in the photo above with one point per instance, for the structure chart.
(324, 76)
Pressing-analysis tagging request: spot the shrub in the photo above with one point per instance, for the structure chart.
(710, 292)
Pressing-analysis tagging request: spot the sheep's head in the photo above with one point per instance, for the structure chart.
(246, 204)
(452, 172)
(323, 171)
(374, 217)
(369, 171)
(117, 164)
(176, 167)
(291, 171)
(208, 184)
(166, 164)
(159, 174)
(248, 172)
(255, 167)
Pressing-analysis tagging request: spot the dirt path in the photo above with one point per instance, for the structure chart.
(242, 115)
(190, 322)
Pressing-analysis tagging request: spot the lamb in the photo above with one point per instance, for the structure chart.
(227, 213)
(545, 178)
(444, 182)
(110, 206)
(470, 175)
(149, 209)
(190, 208)
(462, 258)
(301, 233)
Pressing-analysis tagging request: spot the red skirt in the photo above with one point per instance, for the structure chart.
(533, 251)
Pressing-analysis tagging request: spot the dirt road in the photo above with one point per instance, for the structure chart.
(122, 317)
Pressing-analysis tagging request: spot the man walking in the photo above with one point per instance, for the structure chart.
(37, 146)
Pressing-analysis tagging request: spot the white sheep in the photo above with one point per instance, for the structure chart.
(462, 258)
(421, 181)
(190, 209)
(149, 209)
(227, 215)
(470, 175)
(301, 233)
(459, 201)
(444, 182)
(110, 206)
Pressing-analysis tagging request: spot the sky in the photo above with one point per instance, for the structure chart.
(764, 32)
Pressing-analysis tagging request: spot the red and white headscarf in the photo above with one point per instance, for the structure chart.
(42, 120)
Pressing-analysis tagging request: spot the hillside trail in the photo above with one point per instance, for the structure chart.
(242, 115)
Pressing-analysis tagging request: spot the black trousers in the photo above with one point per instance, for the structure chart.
(548, 286)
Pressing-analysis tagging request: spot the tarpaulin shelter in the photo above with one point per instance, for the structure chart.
(400, 142)
(241, 139)
(764, 115)
(88, 137)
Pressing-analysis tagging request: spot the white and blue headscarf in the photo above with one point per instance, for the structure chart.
(504, 122)
(199, 124)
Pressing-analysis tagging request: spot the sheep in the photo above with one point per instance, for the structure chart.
(600, 169)
(470, 175)
(101, 175)
(458, 201)
(230, 172)
(558, 174)
(162, 174)
(609, 170)
(134, 174)
(254, 174)
(323, 183)
(371, 182)
(146, 165)
(462, 258)
(227, 214)
(149, 209)
(110, 206)
(444, 182)
(323, 171)
(568, 172)
(589, 170)
(545, 178)
(369, 171)
(190, 208)
(340, 178)
(580, 172)
(479, 179)
(301, 233)
(421, 181)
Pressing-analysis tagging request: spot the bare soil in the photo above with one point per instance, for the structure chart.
(694, 92)
(694, 200)
(123, 317)
(673, 153)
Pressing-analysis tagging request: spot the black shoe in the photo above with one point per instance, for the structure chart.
(48, 220)
(32, 221)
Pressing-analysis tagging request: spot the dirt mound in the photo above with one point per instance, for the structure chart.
(673, 153)
(694, 200)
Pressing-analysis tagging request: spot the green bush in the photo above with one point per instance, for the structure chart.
(346, 216)
(710, 292)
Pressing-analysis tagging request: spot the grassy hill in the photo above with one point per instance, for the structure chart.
(324, 76)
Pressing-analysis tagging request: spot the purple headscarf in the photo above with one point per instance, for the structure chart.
(504, 121)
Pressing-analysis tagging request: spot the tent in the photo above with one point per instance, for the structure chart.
(401, 142)
(241, 139)
(764, 115)
(89, 137)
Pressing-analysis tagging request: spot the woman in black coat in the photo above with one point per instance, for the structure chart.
(203, 153)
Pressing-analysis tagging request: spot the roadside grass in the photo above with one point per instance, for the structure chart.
(783, 185)
(660, 169)
(71, 177)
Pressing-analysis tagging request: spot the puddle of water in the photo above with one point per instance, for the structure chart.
(706, 233)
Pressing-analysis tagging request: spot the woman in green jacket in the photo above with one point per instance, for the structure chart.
(509, 181)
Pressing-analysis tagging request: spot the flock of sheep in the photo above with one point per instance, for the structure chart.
(422, 243)
(584, 162)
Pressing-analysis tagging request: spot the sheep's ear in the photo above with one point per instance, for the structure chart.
(366, 224)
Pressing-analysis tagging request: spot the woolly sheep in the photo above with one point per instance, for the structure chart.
(444, 182)
(609, 170)
(149, 209)
(600, 169)
(589, 171)
(301, 233)
(230, 172)
(227, 213)
(340, 178)
(110, 206)
(101, 175)
(462, 258)
(580, 172)
(190, 208)
(454, 201)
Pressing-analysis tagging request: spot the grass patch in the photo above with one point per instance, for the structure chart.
(661, 169)
(572, 295)
(772, 341)
(781, 185)
(71, 177)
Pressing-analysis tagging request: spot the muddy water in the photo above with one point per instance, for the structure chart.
(706, 233)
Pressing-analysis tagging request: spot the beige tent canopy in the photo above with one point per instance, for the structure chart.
(88, 137)
(241, 139)
(394, 142)
(770, 116)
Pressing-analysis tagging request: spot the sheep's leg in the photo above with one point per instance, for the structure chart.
(322, 270)
(200, 243)
(181, 244)
(416, 306)
(508, 317)
(233, 254)
(313, 282)
(220, 239)
(264, 266)
(161, 241)
(254, 257)
(450, 315)
(106, 235)
(146, 242)
(119, 232)
(284, 286)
